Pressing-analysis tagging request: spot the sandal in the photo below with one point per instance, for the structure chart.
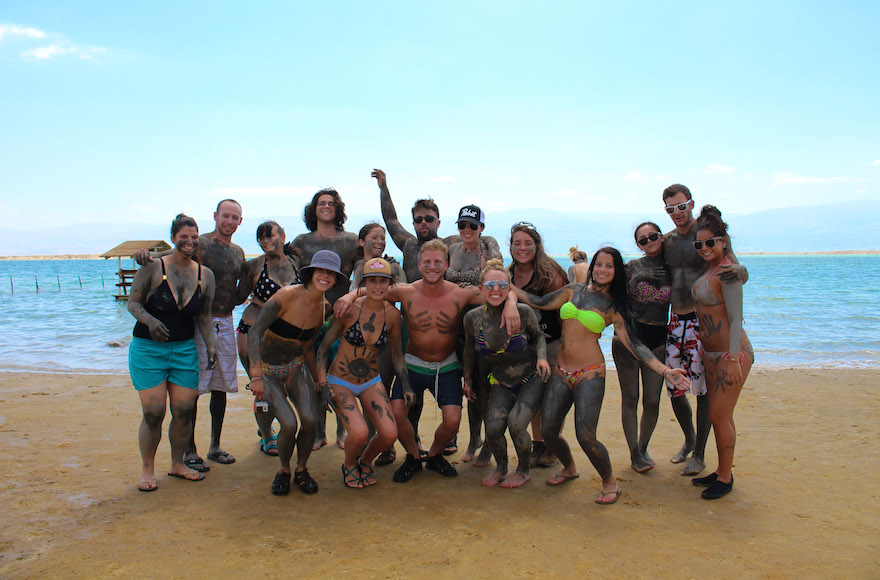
(281, 484)
(197, 463)
(352, 477)
(602, 498)
(305, 482)
(148, 485)
(269, 445)
(367, 477)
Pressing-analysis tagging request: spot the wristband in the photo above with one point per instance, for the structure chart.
(739, 359)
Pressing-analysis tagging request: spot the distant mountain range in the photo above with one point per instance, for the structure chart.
(818, 228)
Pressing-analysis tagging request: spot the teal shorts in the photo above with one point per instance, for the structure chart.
(151, 363)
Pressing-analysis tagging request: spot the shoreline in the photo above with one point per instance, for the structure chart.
(804, 502)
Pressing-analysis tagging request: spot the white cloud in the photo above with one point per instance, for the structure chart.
(13, 30)
(718, 168)
(45, 52)
(876, 163)
(635, 176)
(749, 175)
(443, 179)
(790, 179)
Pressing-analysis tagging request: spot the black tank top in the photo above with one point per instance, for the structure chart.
(161, 305)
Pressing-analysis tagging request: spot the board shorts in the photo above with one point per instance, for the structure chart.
(224, 376)
(150, 363)
(442, 378)
(684, 351)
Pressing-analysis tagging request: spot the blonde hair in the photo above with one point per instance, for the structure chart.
(434, 245)
(494, 265)
(576, 255)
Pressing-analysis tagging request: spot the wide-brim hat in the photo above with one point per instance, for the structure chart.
(378, 268)
(326, 260)
(471, 214)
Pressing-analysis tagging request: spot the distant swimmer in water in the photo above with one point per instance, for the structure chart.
(577, 272)
(168, 296)
(728, 354)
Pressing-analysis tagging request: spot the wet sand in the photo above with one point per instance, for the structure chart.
(805, 502)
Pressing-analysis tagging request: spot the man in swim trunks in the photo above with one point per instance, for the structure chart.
(683, 347)
(225, 259)
(433, 309)
(324, 217)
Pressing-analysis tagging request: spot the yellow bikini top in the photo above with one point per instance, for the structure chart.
(591, 319)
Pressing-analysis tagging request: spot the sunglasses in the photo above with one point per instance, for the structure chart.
(526, 225)
(490, 284)
(463, 225)
(427, 219)
(651, 238)
(671, 209)
(710, 243)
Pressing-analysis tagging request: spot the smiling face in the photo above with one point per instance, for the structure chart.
(227, 218)
(432, 265)
(186, 240)
(325, 209)
(373, 243)
(273, 244)
(425, 231)
(377, 287)
(495, 296)
(680, 218)
(716, 252)
(652, 248)
(468, 235)
(603, 269)
(522, 248)
(323, 280)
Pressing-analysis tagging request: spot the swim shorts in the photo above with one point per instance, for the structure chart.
(224, 376)
(150, 363)
(442, 378)
(683, 351)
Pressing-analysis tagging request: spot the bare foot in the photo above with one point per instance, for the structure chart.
(472, 450)
(319, 442)
(494, 478)
(694, 466)
(515, 479)
(484, 458)
(340, 442)
(683, 453)
(642, 466)
(468, 455)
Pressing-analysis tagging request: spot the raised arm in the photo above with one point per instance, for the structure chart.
(389, 214)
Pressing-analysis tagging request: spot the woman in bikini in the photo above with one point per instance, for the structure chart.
(648, 285)
(579, 373)
(537, 273)
(727, 354)
(168, 296)
(282, 364)
(577, 272)
(369, 325)
(263, 276)
(517, 368)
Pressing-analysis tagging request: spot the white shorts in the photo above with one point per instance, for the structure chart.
(224, 376)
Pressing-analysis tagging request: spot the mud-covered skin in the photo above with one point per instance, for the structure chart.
(505, 409)
(345, 244)
(306, 309)
(650, 269)
(684, 266)
(397, 274)
(465, 265)
(280, 269)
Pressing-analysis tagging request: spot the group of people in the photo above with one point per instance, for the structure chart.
(521, 343)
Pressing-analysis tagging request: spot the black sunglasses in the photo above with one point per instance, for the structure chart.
(710, 243)
(651, 238)
(463, 225)
(428, 219)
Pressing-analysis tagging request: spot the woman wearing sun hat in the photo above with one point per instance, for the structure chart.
(371, 324)
(280, 349)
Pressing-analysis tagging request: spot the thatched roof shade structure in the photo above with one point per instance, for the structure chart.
(127, 250)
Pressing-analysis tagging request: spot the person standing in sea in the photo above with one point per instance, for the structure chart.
(325, 217)
(163, 359)
(683, 346)
(217, 252)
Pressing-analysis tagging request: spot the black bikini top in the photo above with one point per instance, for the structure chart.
(355, 337)
(265, 286)
(162, 306)
(287, 330)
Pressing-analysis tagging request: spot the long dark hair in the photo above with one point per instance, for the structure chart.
(710, 219)
(310, 215)
(546, 268)
(619, 295)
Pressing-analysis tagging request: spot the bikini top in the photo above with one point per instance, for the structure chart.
(703, 293)
(162, 306)
(647, 292)
(355, 337)
(265, 286)
(515, 343)
(591, 319)
(287, 330)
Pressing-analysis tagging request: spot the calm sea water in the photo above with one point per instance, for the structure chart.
(800, 311)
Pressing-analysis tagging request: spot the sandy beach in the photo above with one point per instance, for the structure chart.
(805, 501)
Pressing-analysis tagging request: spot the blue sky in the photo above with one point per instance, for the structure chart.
(117, 111)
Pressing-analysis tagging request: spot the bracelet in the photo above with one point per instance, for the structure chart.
(739, 359)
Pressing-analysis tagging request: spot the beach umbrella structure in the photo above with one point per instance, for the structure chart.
(128, 250)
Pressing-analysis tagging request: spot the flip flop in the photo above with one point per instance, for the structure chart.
(565, 479)
(603, 494)
(197, 463)
(221, 457)
(151, 485)
(200, 477)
